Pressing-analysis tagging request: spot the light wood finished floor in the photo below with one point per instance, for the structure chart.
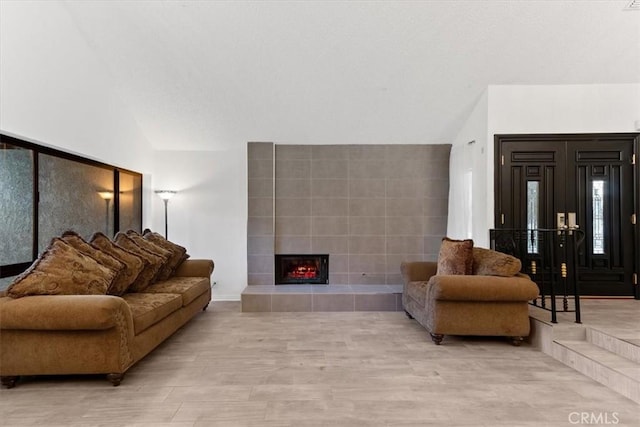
(227, 368)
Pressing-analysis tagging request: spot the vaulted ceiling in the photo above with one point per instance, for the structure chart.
(205, 74)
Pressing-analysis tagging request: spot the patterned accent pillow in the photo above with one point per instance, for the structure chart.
(118, 285)
(165, 271)
(178, 253)
(455, 257)
(62, 270)
(152, 262)
(487, 262)
(134, 264)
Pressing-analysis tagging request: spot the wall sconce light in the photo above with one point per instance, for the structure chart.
(165, 195)
(107, 196)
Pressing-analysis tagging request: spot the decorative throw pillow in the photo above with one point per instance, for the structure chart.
(455, 257)
(487, 262)
(178, 253)
(152, 262)
(62, 270)
(134, 264)
(165, 271)
(119, 284)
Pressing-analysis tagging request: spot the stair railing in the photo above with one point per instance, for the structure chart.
(550, 258)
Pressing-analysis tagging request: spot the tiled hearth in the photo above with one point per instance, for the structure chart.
(308, 298)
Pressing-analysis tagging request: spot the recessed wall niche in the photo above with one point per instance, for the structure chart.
(44, 192)
(369, 207)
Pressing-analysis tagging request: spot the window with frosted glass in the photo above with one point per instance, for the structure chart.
(73, 196)
(74, 193)
(533, 211)
(130, 201)
(16, 204)
(597, 232)
(5, 282)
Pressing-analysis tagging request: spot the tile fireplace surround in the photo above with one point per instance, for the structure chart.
(369, 207)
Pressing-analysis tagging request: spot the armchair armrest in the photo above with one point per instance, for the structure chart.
(418, 271)
(481, 288)
(195, 268)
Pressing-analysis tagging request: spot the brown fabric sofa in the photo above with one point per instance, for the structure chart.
(97, 334)
(467, 304)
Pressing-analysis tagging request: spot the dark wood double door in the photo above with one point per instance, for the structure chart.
(586, 182)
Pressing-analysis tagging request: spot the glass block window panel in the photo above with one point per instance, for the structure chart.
(72, 197)
(130, 201)
(597, 198)
(533, 211)
(16, 204)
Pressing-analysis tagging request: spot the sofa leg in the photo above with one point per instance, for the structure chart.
(516, 341)
(437, 338)
(115, 379)
(205, 307)
(408, 314)
(9, 381)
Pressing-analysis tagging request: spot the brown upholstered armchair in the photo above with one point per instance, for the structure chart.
(473, 304)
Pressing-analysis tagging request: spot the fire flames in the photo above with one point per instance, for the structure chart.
(304, 271)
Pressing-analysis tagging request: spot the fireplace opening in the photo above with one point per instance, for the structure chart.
(302, 269)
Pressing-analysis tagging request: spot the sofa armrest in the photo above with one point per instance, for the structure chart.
(195, 268)
(64, 312)
(419, 271)
(481, 288)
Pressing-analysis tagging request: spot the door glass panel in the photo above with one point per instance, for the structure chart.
(533, 210)
(597, 197)
(16, 205)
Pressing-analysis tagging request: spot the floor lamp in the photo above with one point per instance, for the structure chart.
(165, 195)
(107, 196)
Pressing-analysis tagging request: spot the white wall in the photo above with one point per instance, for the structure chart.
(55, 91)
(208, 215)
(468, 157)
(540, 109)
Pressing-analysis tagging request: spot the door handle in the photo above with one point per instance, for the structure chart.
(572, 221)
(566, 222)
(561, 223)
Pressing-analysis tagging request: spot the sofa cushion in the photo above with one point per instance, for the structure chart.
(165, 271)
(62, 270)
(418, 291)
(152, 262)
(189, 288)
(455, 257)
(119, 284)
(149, 309)
(487, 262)
(134, 264)
(178, 253)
